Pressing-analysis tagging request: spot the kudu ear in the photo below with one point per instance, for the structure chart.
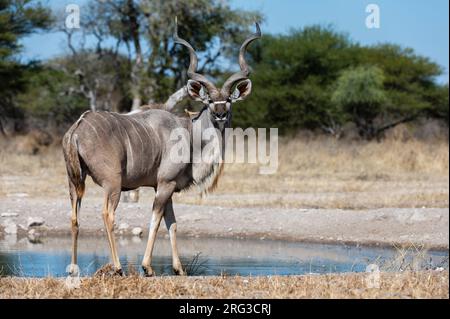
(196, 91)
(242, 90)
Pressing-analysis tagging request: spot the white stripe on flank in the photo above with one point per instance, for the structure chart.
(131, 151)
(117, 141)
(142, 143)
(92, 126)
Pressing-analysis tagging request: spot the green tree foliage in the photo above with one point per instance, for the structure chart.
(300, 80)
(409, 79)
(46, 96)
(18, 18)
(360, 93)
(60, 90)
(293, 78)
(438, 98)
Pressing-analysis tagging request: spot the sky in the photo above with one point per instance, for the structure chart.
(419, 24)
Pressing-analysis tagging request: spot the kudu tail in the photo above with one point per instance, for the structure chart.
(73, 160)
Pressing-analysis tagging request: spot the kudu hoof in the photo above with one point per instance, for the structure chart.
(108, 271)
(73, 270)
(179, 272)
(148, 271)
(119, 272)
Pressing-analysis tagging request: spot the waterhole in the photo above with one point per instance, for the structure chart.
(211, 256)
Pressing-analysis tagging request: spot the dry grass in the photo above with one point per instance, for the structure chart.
(429, 284)
(324, 162)
(328, 173)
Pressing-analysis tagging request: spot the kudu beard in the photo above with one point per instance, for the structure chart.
(213, 146)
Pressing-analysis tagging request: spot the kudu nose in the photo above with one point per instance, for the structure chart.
(221, 116)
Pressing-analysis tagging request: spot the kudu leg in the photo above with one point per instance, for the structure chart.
(171, 224)
(75, 198)
(111, 201)
(163, 194)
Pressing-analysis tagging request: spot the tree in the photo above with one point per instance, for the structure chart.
(47, 99)
(360, 93)
(18, 18)
(102, 78)
(293, 77)
(98, 69)
(439, 103)
(144, 29)
(296, 76)
(409, 80)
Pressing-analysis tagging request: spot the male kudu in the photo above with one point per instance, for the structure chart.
(124, 152)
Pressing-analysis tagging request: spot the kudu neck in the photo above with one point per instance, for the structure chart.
(207, 151)
(203, 128)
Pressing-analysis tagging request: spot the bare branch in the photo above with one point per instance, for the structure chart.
(395, 123)
(210, 60)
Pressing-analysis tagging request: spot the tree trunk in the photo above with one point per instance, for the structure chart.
(136, 70)
(92, 101)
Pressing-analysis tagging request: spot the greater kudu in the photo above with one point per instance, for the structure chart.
(124, 152)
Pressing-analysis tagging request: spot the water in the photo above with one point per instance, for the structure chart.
(202, 256)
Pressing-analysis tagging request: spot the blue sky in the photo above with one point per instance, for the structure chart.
(419, 24)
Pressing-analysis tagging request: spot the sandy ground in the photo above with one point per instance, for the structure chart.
(385, 226)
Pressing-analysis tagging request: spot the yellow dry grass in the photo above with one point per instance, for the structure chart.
(337, 174)
(427, 284)
(326, 161)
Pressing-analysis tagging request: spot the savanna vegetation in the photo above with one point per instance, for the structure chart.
(123, 56)
(364, 127)
(309, 82)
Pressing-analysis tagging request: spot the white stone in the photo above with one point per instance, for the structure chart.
(10, 239)
(123, 242)
(124, 226)
(136, 239)
(17, 195)
(418, 217)
(10, 227)
(137, 231)
(35, 221)
(33, 234)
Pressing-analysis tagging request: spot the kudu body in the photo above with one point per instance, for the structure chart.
(124, 152)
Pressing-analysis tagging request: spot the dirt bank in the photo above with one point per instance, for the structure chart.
(386, 226)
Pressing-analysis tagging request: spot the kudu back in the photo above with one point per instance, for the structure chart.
(123, 152)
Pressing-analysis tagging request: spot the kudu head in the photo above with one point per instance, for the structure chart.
(218, 102)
